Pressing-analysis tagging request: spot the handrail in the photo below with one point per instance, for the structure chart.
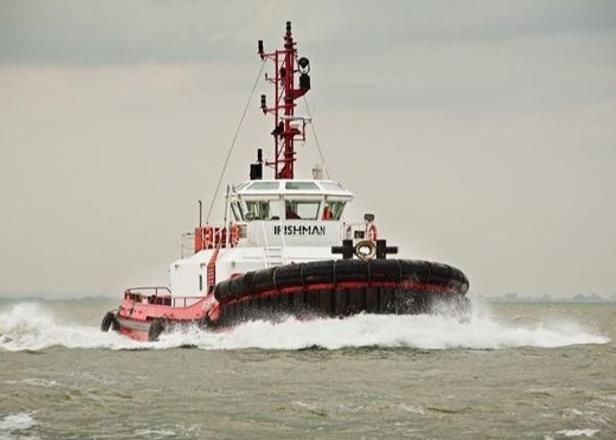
(176, 299)
(284, 244)
(134, 290)
(266, 245)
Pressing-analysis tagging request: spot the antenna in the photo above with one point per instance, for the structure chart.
(285, 133)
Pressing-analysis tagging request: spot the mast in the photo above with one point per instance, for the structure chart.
(288, 128)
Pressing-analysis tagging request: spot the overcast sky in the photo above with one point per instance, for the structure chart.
(481, 134)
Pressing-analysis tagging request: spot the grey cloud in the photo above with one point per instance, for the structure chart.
(492, 122)
(118, 32)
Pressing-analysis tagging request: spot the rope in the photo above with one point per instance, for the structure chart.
(232, 146)
(316, 138)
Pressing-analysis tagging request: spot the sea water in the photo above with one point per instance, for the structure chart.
(544, 371)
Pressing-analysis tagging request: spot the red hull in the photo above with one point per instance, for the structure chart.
(142, 317)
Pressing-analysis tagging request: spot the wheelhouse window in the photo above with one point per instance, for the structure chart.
(263, 186)
(332, 186)
(333, 210)
(310, 186)
(257, 210)
(302, 210)
(238, 213)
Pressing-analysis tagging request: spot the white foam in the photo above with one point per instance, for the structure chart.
(578, 432)
(13, 424)
(34, 381)
(30, 327)
(154, 433)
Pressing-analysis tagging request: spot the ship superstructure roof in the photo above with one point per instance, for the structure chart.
(291, 187)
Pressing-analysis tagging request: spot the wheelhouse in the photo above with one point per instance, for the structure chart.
(288, 200)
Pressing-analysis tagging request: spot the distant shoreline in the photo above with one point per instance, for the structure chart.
(100, 298)
(543, 301)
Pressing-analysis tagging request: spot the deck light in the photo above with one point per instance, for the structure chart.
(304, 65)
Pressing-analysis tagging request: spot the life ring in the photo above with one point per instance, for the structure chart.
(365, 250)
(373, 232)
(235, 235)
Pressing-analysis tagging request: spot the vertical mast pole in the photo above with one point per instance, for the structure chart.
(276, 97)
(283, 109)
(288, 135)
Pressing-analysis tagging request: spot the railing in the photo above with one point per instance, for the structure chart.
(284, 244)
(266, 246)
(180, 301)
(158, 296)
(156, 290)
(149, 295)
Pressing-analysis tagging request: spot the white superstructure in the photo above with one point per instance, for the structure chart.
(278, 222)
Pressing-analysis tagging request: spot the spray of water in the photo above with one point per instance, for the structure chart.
(32, 327)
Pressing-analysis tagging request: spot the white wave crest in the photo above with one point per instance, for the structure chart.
(12, 426)
(578, 432)
(30, 327)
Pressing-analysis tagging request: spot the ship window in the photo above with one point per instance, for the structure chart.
(302, 185)
(263, 186)
(200, 282)
(333, 210)
(237, 211)
(302, 210)
(332, 186)
(257, 210)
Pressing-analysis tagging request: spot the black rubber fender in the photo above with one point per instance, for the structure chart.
(156, 328)
(317, 272)
(288, 275)
(350, 270)
(385, 270)
(415, 270)
(239, 285)
(108, 321)
(222, 290)
(440, 273)
(262, 280)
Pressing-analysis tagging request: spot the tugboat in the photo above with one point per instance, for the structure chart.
(284, 247)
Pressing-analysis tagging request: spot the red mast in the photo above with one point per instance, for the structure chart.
(287, 127)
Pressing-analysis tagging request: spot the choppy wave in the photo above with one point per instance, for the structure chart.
(29, 326)
(14, 426)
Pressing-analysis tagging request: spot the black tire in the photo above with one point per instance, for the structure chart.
(350, 270)
(385, 270)
(262, 280)
(156, 328)
(108, 321)
(222, 290)
(115, 325)
(317, 272)
(414, 270)
(288, 275)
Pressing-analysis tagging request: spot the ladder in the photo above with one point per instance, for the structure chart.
(273, 256)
